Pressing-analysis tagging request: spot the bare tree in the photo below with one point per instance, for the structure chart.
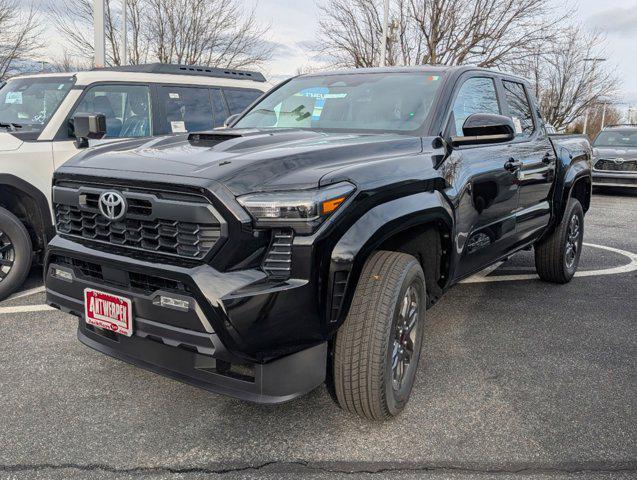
(568, 79)
(206, 32)
(70, 63)
(20, 35)
(609, 112)
(74, 20)
(489, 33)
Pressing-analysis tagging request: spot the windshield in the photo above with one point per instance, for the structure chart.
(27, 104)
(617, 138)
(398, 102)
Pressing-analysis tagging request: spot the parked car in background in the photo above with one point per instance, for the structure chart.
(615, 152)
(37, 119)
(304, 243)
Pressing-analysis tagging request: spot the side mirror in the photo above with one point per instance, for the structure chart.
(88, 126)
(484, 128)
(230, 120)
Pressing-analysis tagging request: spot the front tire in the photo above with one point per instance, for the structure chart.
(557, 257)
(377, 349)
(16, 253)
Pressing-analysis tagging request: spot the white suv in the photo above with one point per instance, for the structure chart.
(37, 134)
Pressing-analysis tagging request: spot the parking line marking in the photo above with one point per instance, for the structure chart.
(26, 293)
(481, 277)
(26, 309)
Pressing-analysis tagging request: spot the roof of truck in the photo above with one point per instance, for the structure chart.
(177, 74)
(415, 69)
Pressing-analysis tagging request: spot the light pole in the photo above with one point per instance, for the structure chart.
(98, 31)
(593, 60)
(122, 55)
(383, 43)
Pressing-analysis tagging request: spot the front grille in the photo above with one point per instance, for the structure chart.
(278, 260)
(164, 223)
(136, 206)
(611, 165)
(150, 283)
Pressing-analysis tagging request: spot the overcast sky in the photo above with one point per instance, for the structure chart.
(294, 24)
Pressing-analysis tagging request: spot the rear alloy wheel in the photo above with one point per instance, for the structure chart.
(16, 253)
(377, 348)
(557, 256)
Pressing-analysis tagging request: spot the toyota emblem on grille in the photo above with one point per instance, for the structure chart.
(618, 160)
(112, 205)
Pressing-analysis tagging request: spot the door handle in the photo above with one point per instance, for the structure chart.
(547, 158)
(512, 165)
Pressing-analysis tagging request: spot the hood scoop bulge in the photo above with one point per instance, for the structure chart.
(247, 138)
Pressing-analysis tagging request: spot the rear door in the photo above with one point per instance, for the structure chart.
(484, 192)
(239, 99)
(535, 154)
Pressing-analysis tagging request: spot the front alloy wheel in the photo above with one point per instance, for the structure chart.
(7, 255)
(405, 337)
(377, 348)
(16, 253)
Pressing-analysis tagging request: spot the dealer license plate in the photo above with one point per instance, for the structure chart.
(108, 311)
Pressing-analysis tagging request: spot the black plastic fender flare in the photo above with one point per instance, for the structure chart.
(48, 231)
(373, 228)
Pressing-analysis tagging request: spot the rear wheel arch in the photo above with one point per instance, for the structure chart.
(581, 191)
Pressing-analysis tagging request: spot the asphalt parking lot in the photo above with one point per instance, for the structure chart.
(517, 378)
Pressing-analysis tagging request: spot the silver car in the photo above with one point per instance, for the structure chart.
(615, 153)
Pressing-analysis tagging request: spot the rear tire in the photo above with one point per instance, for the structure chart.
(377, 348)
(557, 257)
(16, 253)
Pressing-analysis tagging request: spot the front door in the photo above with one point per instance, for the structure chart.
(127, 109)
(485, 193)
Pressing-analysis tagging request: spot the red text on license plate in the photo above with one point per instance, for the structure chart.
(108, 311)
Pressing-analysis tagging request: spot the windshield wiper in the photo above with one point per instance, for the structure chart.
(10, 125)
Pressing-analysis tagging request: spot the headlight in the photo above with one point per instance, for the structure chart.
(303, 210)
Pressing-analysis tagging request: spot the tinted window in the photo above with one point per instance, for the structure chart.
(126, 107)
(239, 99)
(348, 102)
(617, 138)
(219, 107)
(519, 108)
(187, 109)
(29, 103)
(476, 95)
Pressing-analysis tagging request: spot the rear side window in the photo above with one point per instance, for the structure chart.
(519, 108)
(476, 95)
(187, 108)
(239, 99)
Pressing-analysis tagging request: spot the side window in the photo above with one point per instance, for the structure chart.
(187, 108)
(126, 107)
(476, 95)
(519, 108)
(219, 107)
(239, 99)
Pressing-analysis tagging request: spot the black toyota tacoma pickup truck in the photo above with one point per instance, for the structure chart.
(304, 243)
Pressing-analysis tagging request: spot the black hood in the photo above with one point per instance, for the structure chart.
(627, 153)
(246, 160)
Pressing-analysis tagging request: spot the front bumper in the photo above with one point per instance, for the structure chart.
(226, 342)
(604, 178)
